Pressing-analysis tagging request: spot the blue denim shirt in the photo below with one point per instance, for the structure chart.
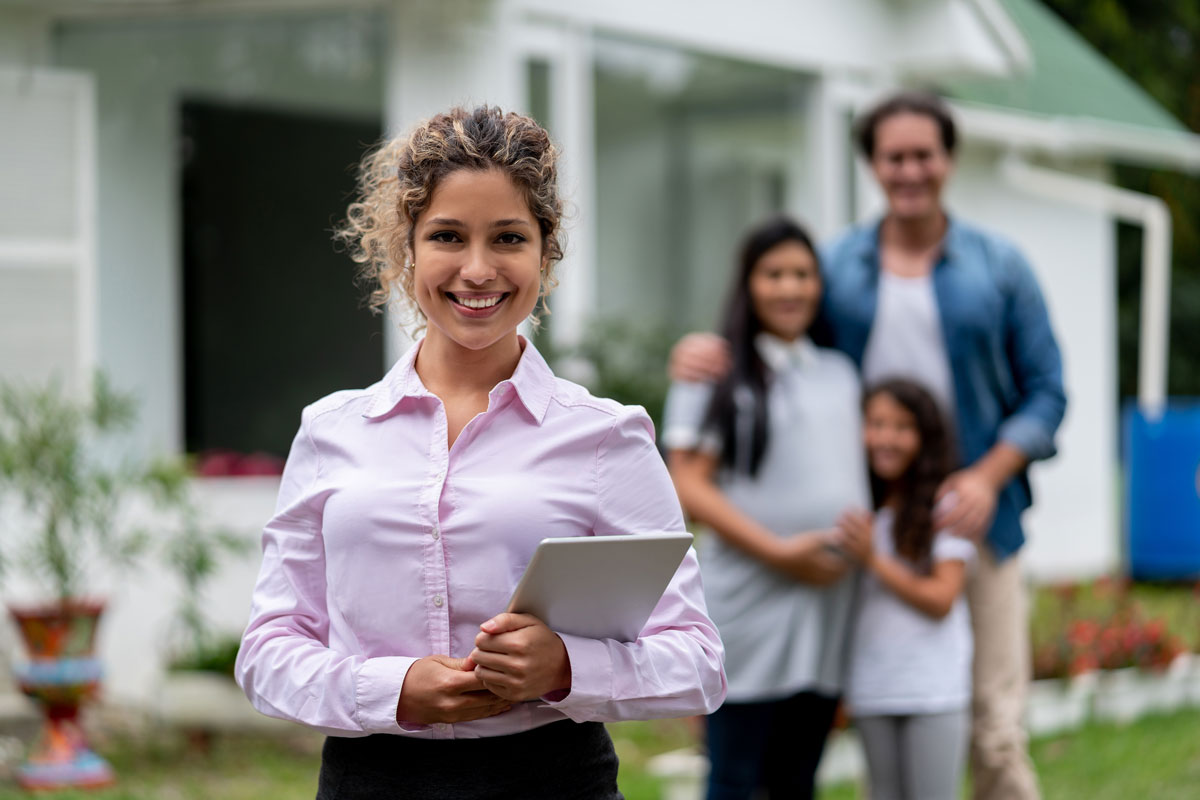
(1006, 363)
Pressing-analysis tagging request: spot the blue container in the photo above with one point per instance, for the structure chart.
(1162, 500)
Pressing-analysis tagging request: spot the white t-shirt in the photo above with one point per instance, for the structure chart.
(906, 339)
(901, 660)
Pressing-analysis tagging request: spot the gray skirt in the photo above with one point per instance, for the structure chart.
(559, 761)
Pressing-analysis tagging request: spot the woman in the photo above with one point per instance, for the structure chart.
(408, 510)
(768, 459)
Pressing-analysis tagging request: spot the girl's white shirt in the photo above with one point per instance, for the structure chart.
(901, 660)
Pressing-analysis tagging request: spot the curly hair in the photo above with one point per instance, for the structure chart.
(397, 179)
(916, 489)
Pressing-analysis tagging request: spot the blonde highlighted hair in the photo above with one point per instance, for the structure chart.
(397, 179)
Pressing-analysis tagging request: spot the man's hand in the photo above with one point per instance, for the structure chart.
(966, 504)
(518, 658)
(444, 689)
(700, 357)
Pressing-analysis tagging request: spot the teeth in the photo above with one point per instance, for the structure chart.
(478, 302)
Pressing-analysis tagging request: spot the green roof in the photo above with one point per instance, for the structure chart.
(1068, 78)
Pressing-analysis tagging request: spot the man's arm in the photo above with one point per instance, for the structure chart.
(1027, 434)
(700, 358)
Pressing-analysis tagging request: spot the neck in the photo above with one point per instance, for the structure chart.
(449, 369)
(914, 234)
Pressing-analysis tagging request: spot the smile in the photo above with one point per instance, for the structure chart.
(477, 302)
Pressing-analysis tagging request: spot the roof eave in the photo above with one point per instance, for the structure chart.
(1080, 137)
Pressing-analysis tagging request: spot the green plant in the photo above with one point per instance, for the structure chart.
(626, 361)
(61, 455)
(1099, 625)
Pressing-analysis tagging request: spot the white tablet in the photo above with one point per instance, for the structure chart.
(599, 587)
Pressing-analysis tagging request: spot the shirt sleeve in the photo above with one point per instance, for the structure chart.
(684, 416)
(676, 666)
(948, 547)
(285, 665)
(1036, 364)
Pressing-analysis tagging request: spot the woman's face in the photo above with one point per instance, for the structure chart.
(911, 164)
(785, 289)
(478, 259)
(891, 436)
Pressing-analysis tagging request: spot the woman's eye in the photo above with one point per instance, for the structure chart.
(510, 238)
(446, 237)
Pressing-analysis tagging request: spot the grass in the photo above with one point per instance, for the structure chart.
(156, 767)
(1156, 757)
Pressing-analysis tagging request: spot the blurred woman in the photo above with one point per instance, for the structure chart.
(408, 510)
(768, 459)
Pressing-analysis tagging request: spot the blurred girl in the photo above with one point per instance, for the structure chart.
(767, 459)
(909, 685)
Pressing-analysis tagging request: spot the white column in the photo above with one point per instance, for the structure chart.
(826, 160)
(573, 110)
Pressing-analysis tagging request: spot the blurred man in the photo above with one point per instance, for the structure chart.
(923, 295)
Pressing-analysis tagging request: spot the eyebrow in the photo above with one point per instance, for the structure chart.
(500, 223)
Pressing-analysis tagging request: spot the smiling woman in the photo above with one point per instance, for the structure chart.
(408, 510)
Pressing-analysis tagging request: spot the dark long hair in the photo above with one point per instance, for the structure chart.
(738, 410)
(916, 489)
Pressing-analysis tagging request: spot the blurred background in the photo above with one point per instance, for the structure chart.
(170, 171)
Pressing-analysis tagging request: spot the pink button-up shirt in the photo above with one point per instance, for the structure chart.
(387, 546)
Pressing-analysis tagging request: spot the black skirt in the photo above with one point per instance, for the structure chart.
(560, 761)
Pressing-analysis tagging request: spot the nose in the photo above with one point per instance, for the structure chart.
(477, 268)
(910, 168)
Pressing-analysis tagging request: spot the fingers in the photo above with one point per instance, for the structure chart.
(507, 622)
(473, 706)
(462, 664)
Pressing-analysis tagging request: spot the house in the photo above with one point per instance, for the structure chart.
(171, 171)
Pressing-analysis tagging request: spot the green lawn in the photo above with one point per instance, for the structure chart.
(1157, 757)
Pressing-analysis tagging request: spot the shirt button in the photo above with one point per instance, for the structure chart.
(437, 600)
(435, 533)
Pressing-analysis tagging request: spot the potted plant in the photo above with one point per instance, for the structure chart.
(62, 466)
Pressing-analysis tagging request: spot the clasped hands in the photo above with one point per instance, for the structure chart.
(516, 658)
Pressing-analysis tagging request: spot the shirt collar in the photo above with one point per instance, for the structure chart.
(780, 355)
(868, 241)
(532, 380)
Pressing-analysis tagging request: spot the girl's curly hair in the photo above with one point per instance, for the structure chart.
(397, 179)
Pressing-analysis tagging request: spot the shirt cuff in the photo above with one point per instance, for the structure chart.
(1027, 436)
(377, 691)
(591, 678)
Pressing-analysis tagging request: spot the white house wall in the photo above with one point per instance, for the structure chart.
(143, 70)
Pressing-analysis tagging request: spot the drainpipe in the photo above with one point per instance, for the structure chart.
(1140, 209)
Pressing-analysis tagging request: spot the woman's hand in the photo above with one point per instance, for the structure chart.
(444, 689)
(518, 658)
(809, 557)
(854, 534)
